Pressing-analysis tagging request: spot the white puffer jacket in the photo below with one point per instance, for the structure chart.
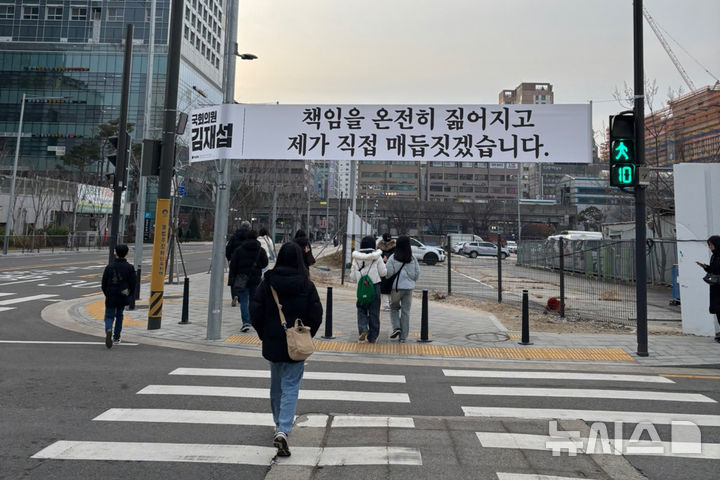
(367, 262)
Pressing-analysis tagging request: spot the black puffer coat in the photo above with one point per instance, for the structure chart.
(299, 299)
(235, 241)
(118, 277)
(249, 258)
(714, 268)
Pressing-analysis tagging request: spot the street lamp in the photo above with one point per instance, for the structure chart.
(11, 200)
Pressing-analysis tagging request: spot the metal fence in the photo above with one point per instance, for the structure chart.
(590, 280)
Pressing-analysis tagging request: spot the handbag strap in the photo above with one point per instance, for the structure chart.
(397, 279)
(279, 307)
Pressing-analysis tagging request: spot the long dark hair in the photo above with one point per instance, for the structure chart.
(367, 242)
(403, 251)
(715, 241)
(291, 256)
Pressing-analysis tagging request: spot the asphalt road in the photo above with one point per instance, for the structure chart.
(433, 419)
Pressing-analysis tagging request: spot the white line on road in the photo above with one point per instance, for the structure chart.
(533, 476)
(3, 309)
(556, 376)
(342, 395)
(584, 393)
(348, 376)
(521, 441)
(6, 294)
(23, 281)
(215, 417)
(231, 454)
(27, 299)
(659, 418)
(42, 342)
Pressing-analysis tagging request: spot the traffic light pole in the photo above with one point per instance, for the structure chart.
(123, 145)
(167, 161)
(640, 226)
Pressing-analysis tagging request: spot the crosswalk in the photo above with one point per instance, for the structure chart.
(224, 412)
(605, 435)
(315, 455)
(4, 302)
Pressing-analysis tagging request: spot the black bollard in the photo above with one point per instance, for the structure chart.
(137, 283)
(525, 320)
(424, 319)
(186, 303)
(328, 315)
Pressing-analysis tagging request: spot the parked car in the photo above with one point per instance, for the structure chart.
(511, 246)
(484, 249)
(457, 248)
(425, 253)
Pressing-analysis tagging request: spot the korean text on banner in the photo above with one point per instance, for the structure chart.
(468, 133)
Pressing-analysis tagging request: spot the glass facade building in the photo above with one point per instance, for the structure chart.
(66, 56)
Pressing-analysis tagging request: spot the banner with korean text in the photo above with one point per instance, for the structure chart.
(467, 133)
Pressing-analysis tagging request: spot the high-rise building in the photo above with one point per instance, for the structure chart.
(389, 179)
(66, 56)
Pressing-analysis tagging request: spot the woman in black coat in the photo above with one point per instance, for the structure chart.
(302, 240)
(714, 268)
(246, 268)
(299, 299)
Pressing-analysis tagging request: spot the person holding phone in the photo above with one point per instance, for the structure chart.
(714, 268)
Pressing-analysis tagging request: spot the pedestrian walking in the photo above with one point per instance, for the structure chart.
(118, 285)
(367, 270)
(301, 239)
(267, 244)
(298, 298)
(713, 279)
(235, 241)
(387, 245)
(403, 271)
(245, 274)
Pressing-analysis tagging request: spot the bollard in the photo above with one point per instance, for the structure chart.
(186, 301)
(499, 271)
(562, 279)
(328, 315)
(449, 263)
(137, 283)
(525, 320)
(424, 319)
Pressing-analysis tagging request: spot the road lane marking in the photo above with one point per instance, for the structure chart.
(7, 294)
(3, 309)
(232, 454)
(242, 392)
(229, 372)
(591, 415)
(584, 393)
(533, 476)
(555, 376)
(13, 301)
(45, 266)
(215, 417)
(521, 441)
(703, 377)
(43, 342)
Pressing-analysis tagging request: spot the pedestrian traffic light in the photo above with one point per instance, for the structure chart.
(623, 161)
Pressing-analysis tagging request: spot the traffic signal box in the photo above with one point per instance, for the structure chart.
(623, 160)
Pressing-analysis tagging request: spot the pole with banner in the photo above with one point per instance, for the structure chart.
(162, 208)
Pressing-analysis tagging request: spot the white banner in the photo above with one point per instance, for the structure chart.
(467, 133)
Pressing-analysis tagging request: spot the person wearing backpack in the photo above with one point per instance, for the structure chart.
(298, 298)
(367, 270)
(245, 274)
(403, 270)
(118, 285)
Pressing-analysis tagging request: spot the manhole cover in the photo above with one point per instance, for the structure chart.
(488, 337)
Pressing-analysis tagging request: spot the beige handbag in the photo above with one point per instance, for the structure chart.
(299, 341)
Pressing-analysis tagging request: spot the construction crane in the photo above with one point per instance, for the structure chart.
(667, 48)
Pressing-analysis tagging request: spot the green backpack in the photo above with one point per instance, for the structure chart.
(365, 289)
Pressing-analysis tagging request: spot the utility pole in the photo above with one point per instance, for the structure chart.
(142, 180)
(120, 178)
(167, 161)
(640, 232)
(11, 200)
(222, 197)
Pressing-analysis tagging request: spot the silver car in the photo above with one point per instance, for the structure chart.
(484, 249)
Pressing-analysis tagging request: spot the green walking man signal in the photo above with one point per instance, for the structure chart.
(623, 162)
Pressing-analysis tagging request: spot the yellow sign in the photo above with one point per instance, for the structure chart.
(160, 245)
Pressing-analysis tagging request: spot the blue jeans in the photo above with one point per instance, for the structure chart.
(369, 317)
(116, 314)
(400, 302)
(285, 378)
(244, 297)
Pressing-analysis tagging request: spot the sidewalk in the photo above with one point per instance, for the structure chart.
(455, 332)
